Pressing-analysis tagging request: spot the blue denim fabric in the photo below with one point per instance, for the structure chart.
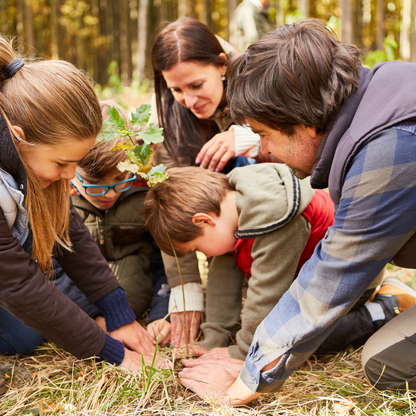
(15, 336)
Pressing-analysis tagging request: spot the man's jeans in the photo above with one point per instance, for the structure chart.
(15, 336)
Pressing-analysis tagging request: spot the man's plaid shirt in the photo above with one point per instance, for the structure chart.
(375, 217)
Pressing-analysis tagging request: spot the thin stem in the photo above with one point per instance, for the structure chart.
(183, 294)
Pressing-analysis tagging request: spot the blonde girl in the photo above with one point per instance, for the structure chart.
(49, 119)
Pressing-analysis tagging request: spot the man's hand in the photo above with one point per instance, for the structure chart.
(215, 353)
(217, 152)
(139, 340)
(177, 334)
(159, 330)
(216, 379)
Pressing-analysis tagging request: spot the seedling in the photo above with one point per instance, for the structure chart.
(138, 156)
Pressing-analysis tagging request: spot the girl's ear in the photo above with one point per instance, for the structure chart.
(203, 220)
(20, 134)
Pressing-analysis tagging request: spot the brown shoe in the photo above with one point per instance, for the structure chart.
(399, 294)
(3, 387)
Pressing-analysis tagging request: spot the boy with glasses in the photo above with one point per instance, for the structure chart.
(110, 203)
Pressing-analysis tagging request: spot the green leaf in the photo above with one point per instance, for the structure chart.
(152, 134)
(141, 116)
(157, 174)
(114, 126)
(158, 170)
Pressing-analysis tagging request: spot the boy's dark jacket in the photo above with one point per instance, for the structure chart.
(124, 241)
(26, 293)
(358, 120)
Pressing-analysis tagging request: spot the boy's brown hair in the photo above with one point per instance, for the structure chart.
(102, 160)
(170, 206)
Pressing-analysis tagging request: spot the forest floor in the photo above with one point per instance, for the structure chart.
(53, 382)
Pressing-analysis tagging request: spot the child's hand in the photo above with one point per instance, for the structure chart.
(159, 330)
(177, 335)
(139, 340)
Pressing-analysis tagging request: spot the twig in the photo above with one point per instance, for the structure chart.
(183, 294)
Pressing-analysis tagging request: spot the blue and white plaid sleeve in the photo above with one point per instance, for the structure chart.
(375, 217)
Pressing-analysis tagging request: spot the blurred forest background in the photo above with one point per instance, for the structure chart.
(111, 39)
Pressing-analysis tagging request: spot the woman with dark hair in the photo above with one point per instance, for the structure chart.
(189, 64)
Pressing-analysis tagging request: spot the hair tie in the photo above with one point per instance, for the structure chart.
(14, 66)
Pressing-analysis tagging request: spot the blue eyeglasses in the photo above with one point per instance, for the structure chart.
(97, 190)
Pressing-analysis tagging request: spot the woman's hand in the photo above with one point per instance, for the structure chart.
(159, 330)
(137, 339)
(217, 152)
(177, 334)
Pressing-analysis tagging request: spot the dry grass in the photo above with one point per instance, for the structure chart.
(53, 382)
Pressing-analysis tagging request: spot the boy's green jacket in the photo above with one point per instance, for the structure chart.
(124, 241)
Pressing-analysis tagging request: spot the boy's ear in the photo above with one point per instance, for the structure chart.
(203, 220)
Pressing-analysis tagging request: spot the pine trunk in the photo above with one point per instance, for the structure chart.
(142, 37)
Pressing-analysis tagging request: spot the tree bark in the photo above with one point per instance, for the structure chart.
(208, 13)
(181, 9)
(405, 30)
(232, 5)
(413, 34)
(279, 14)
(124, 23)
(142, 37)
(380, 32)
(29, 28)
(19, 25)
(54, 30)
(346, 25)
(304, 8)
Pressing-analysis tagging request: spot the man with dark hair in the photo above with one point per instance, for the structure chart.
(353, 130)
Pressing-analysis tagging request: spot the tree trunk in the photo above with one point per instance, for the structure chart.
(280, 21)
(142, 37)
(19, 25)
(346, 25)
(232, 5)
(413, 34)
(405, 30)
(181, 9)
(116, 35)
(54, 30)
(208, 13)
(380, 26)
(29, 29)
(304, 8)
(124, 23)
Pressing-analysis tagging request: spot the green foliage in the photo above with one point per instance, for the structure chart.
(378, 56)
(138, 156)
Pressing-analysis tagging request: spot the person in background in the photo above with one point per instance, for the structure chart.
(249, 23)
(50, 118)
(110, 203)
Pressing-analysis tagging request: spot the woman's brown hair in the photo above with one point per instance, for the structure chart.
(297, 74)
(50, 101)
(181, 41)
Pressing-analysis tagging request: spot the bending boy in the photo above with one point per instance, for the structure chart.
(270, 221)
